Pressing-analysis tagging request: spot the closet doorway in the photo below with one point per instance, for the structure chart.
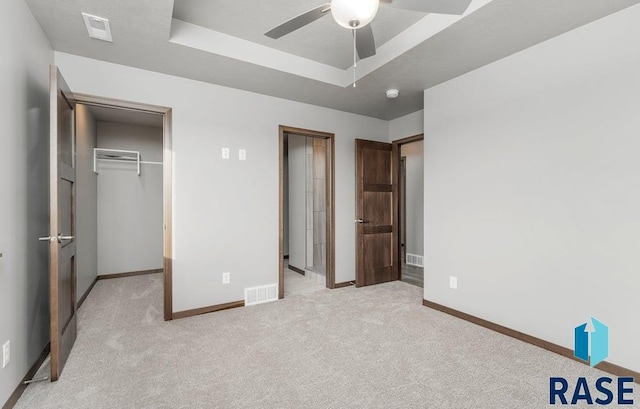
(123, 196)
(306, 251)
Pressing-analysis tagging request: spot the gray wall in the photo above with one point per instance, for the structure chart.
(297, 201)
(532, 187)
(86, 200)
(24, 203)
(408, 125)
(130, 206)
(226, 211)
(413, 152)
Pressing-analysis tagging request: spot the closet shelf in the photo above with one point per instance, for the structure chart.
(119, 155)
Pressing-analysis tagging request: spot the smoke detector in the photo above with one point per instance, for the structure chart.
(97, 27)
(392, 93)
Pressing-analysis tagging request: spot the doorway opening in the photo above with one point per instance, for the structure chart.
(389, 203)
(124, 195)
(306, 250)
(410, 179)
(62, 240)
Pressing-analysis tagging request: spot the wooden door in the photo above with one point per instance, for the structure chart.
(402, 211)
(376, 213)
(62, 244)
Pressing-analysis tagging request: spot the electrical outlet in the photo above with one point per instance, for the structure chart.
(6, 354)
(225, 153)
(226, 278)
(453, 282)
(242, 154)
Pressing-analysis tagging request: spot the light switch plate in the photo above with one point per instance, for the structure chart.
(242, 154)
(226, 278)
(453, 282)
(225, 153)
(6, 354)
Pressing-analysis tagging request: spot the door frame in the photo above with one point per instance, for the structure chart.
(402, 209)
(330, 202)
(397, 144)
(167, 178)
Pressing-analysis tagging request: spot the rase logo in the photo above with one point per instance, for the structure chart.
(592, 347)
(598, 340)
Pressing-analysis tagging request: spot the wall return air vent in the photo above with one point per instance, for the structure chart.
(262, 294)
(415, 260)
(97, 27)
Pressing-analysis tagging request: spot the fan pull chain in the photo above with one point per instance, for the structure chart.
(355, 60)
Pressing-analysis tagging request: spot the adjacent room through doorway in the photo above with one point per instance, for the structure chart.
(306, 212)
(411, 209)
(119, 197)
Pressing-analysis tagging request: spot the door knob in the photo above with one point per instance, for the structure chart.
(59, 239)
(359, 221)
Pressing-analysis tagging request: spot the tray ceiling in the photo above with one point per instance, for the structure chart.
(220, 42)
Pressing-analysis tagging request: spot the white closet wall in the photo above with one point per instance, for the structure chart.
(130, 206)
(86, 200)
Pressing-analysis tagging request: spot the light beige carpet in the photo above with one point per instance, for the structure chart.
(373, 347)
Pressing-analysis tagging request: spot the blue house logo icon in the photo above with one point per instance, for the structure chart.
(591, 346)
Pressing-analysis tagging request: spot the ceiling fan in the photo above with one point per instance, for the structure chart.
(357, 14)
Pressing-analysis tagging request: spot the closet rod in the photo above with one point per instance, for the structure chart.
(125, 159)
(98, 155)
(144, 162)
(119, 156)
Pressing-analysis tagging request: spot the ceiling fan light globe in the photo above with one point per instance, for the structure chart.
(354, 13)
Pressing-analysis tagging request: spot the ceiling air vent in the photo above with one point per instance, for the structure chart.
(97, 27)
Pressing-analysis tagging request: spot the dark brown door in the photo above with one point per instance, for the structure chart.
(402, 210)
(376, 214)
(62, 244)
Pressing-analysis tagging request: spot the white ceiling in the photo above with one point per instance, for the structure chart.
(311, 62)
(126, 116)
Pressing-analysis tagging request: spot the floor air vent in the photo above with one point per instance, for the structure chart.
(415, 260)
(262, 294)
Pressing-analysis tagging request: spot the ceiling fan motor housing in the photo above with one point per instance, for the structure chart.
(353, 14)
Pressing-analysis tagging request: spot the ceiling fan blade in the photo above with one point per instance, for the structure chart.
(365, 43)
(432, 6)
(299, 21)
